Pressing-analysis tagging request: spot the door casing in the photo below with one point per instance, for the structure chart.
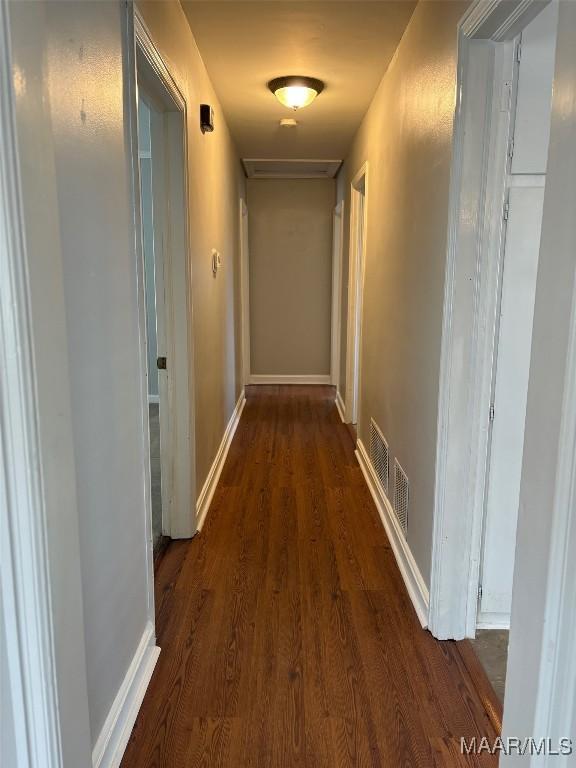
(356, 270)
(473, 270)
(177, 385)
(337, 247)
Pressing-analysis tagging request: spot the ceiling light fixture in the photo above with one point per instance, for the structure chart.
(295, 91)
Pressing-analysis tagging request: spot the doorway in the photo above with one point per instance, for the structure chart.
(166, 288)
(244, 292)
(150, 190)
(358, 219)
(337, 243)
(506, 69)
(532, 76)
(532, 73)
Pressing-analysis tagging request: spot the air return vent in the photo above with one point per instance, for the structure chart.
(379, 455)
(291, 169)
(401, 495)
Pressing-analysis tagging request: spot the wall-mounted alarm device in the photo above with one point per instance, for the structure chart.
(206, 118)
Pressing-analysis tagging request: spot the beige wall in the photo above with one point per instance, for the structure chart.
(290, 231)
(216, 183)
(406, 138)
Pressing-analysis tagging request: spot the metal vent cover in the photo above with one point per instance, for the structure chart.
(290, 169)
(401, 495)
(379, 455)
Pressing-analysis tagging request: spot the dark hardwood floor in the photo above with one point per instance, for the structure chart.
(287, 636)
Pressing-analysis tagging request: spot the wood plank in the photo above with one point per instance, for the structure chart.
(490, 700)
(287, 636)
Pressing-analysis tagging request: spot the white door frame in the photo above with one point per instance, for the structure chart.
(159, 179)
(244, 291)
(470, 305)
(177, 397)
(555, 710)
(356, 270)
(26, 629)
(337, 249)
(41, 614)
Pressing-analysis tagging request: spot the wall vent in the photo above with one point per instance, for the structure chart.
(379, 455)
(291, 169)
(401, 494)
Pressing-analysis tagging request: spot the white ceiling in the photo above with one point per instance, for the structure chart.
(346, 44)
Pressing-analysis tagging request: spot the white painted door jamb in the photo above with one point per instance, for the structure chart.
(37, 482)
(245, 291)
(337, 247)
(180, 472)
(357, 261)
(471, 288)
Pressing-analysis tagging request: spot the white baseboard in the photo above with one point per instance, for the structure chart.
(153, 399)
(488, 620)
(207, 492)
(113, 738)
(340, 406)
(415, 584)
(257, 378)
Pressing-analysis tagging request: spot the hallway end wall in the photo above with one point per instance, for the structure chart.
(215, 184)
(290, 231)
(406, 137)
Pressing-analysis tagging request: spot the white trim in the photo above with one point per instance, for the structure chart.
(556, 705)
(499, 20)
(337, 252)
(131, 97)
(177, 393)
(207, 492)
(113, 738)
(321, 378)
(153, 399)
(413, 580)
(356, 270)
(493, 620)
(162, 292)
(469, 321)
(340, 405)
(154, 57)
(245, 291)
(27, 500)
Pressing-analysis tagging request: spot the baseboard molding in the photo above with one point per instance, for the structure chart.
(415, 584)
(257, 378)
(493, 620)
(209, 487)
(153, 399)
(340, 406)
(113, 738)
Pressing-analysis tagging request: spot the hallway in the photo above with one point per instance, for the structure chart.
(287, 636)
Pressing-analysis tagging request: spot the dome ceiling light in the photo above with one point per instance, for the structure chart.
(294, 91)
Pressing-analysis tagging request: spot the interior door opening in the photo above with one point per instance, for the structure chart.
(244, 291)
(150, 191)
(528, 70)
(337, 243)
(358, 210)
(166, 313)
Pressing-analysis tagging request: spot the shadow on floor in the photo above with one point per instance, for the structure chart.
(491, 648)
